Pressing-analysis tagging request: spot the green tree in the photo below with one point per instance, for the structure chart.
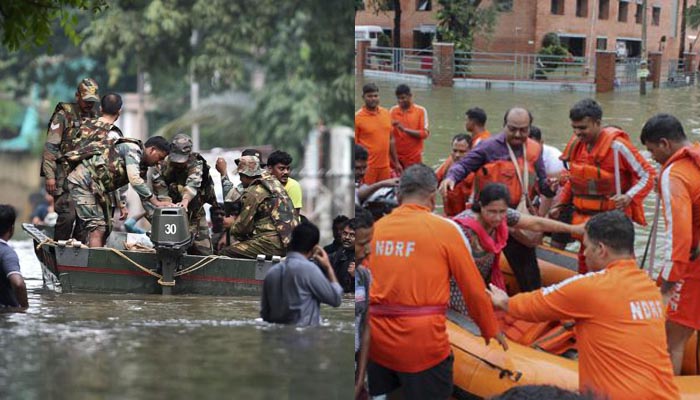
(550, 55)
(459, 20)
(30, 23)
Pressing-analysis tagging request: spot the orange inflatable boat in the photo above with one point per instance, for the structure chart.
(485, 371)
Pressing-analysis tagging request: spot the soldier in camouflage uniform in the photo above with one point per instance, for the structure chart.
(97, 130)
(66, 117)
(232, 193)
(183, 178)
(105, 167)
(267, 217)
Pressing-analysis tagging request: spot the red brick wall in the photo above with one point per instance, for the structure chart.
(530, 20)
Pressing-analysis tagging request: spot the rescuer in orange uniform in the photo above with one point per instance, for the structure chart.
(618, 312)
(414, 254)
(455, 201)
(373, 131)
(679, 186)
(591, 157)
(410, 122)
(476, 125)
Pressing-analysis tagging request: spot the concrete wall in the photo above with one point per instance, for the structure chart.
(19, 177)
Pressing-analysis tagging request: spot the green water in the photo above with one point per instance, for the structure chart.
(88, 346)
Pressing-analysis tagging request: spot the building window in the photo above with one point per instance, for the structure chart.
(655, 15)
(601, 43)
(582, 8)
(424, 5)
(558, 7)
(386, 6)
(638, 15)
(622, 11)
(504, 5)
(603, 9)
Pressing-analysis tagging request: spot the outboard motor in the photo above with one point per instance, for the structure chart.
(171, 238)
(382, 202)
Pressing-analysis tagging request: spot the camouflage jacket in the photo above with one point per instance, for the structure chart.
(65, 118)
(192, 182)
(91, 130)
(113, 164)
(266, 209)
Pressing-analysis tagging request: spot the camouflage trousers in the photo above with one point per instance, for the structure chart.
(268, 244)
(202, 239)
(84, 192)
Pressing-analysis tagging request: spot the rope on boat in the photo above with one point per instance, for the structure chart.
(139, 266)
(503, 372)
(199, 264)
(651, 241)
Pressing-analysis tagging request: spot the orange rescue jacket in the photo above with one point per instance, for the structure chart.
(592, 175)
(503, 171)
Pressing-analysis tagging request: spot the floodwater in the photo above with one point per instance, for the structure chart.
(90, 346)
(628, 110)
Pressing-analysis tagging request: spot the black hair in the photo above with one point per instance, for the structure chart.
(536, 392)
(158, 142)
(490, 193)
(363, 219)
(402, 89)
(505, 116)
(586, 108)
(462, 136)
(369, 88)
(477, 114)
(535, 133)
(304, 237)
(361, 153)
(8, 215)
(111, 103)
(339, 220)
(612, 228)
(663, 126)
(418, 179)
(279, 157)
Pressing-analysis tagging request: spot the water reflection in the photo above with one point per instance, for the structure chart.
(86, 346)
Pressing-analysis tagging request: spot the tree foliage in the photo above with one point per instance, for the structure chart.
(28, 24)
(460, 20)
(302, 49)
(551, 53)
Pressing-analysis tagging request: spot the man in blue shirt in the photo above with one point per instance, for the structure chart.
(13, 291)
(293, 289)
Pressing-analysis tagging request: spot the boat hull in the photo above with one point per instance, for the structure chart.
(78, 269)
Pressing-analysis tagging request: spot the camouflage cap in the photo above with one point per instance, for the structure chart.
(87, 88)
(249, 166)
(251, 152)
(180, 148)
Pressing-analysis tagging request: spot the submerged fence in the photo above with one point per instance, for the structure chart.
(404, 61)
(522, 67)
(443, 65)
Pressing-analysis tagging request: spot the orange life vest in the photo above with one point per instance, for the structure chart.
(592, 176)
(503, 171)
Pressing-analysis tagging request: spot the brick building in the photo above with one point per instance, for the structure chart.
(583, 26)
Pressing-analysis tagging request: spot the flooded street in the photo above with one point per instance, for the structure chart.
(90, 346)
(628, 110)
